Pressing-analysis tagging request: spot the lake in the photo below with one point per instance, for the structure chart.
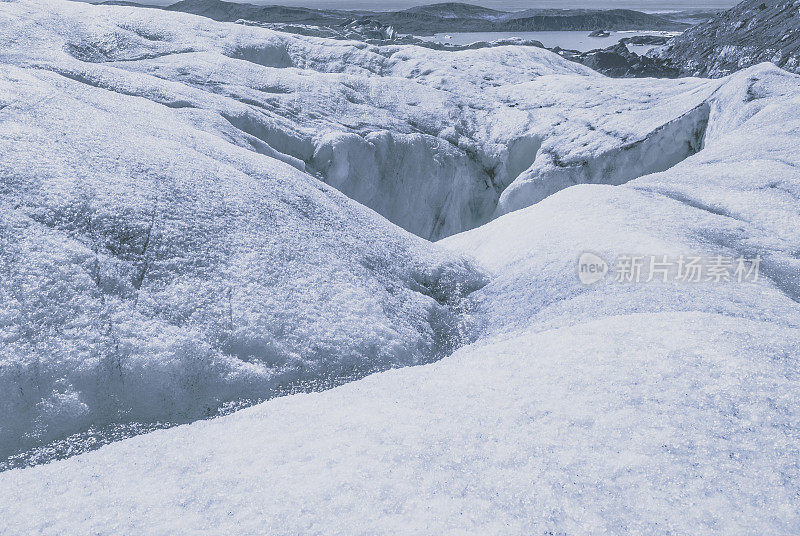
(570, 40)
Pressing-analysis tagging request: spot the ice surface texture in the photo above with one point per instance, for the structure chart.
(169, 243)
(429, 139)
(157, 265)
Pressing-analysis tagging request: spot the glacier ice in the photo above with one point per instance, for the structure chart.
(446, 131)
(157, 265)
(194, 213)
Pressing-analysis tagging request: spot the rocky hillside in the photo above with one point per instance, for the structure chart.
(750, 33)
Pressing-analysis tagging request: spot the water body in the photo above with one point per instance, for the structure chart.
(569, 40)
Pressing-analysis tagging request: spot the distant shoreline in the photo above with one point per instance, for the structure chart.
(567, 40)
(431, 19)
(502, 5)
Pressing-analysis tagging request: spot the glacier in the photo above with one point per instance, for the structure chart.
(158, 263)
(373, 121)
(195, 214)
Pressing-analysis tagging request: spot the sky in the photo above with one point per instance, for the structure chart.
(510, 5)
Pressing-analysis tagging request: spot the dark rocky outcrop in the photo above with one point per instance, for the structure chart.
(752, 32)
(619, 62)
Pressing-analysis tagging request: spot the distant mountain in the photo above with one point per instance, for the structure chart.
(752, 32)
(614, 19)
(125, 3)
(455, 9)
(230, 11)
(692, 16)
(436, 18)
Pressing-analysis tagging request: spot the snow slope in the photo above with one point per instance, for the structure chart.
(617, 426)
(156, 265)
(154, 271)
(736, 198)
(568, 409)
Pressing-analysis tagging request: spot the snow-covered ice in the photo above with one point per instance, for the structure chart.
(156, 264)
(173, 239)
(679, 423)
(429, 139)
